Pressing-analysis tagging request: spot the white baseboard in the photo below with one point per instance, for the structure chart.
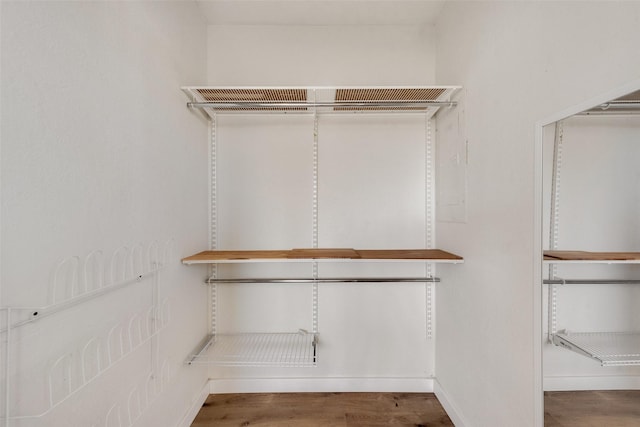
(301, 385)
(191, 414)
(450, 408)
(622, 382)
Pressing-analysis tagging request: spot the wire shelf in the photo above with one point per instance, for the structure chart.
(297, 349)
(608, 348)
(314, 100)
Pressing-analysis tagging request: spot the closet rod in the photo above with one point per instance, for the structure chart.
(619, 104)
(614, 107)
(389, 104)
(332, 280)
(591, 282)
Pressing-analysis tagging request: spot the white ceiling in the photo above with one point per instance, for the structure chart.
(321, 12)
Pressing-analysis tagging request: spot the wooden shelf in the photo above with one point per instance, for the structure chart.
(331, 254)
(592, 257)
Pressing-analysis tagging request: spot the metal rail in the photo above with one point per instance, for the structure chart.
(330, 280)
(383, 104)
(614, 107)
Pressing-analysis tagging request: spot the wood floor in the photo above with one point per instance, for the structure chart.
(592, 408)
(322, 409)
(562, 409)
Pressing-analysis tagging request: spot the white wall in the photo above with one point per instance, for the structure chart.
(518, 62)
(371, 195)
(320, 55)
(99, 152)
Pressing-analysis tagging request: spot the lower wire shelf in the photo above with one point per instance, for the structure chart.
(608, 348)
(289, 349)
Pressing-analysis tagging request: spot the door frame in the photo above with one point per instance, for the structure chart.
(537, 232)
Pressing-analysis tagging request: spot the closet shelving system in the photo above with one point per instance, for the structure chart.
(608, 348)
(300, 349)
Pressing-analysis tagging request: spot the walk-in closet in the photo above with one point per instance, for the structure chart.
(377, 204)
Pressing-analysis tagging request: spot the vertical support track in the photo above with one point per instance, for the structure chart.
(429, 212)
(213, 219)
(554, 226)
(314, 215)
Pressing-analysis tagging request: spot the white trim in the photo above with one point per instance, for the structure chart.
(301, 385)
(620, 382)
(196, 405)
(450, 408)
(538, 397)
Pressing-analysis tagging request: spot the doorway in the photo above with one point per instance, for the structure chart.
(587, 261)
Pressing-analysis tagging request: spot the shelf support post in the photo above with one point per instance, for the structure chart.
(213, 219)
(554, 227)
(428, 223)
(314, 226)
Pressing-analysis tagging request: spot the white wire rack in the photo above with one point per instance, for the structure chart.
(131, 406)
(608, 348)
(83, 360)
(297, 349)
(320, 100)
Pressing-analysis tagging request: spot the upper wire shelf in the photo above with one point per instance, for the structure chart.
(313, 100)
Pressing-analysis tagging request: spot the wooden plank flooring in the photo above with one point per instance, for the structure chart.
(322, 409)
(620, 408)
(562, 409)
